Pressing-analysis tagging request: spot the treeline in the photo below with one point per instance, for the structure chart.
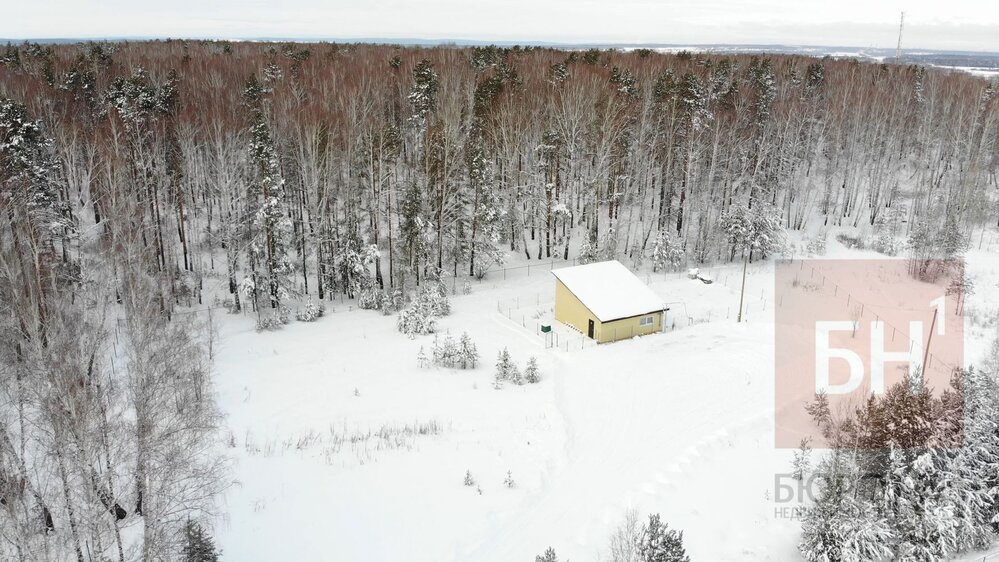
(323, 169)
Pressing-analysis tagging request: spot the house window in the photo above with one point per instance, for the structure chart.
(647, 321)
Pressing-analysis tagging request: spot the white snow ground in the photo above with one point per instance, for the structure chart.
(679, 423)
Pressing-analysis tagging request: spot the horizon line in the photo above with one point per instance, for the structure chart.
(459, 41)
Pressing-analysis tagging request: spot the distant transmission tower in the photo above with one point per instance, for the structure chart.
(898, 48)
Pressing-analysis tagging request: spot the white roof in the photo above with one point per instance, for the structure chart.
(609, 290)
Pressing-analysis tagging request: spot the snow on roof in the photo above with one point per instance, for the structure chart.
(609, 290)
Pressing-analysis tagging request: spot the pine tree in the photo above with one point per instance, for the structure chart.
(548, 556)
(659, 543)
(842, 526)
(469, 353)
(666, 253)
(270, 226)
(514, 375)
(588, 252)
(801, 463)
(423, 95)
(198, 544)
(531, 374)
(503, 367)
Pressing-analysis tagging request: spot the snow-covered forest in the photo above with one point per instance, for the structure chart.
(155, 191)
(302, 163)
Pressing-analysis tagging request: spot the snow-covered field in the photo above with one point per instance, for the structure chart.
(346, 450)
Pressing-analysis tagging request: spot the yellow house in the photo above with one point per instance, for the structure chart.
(606, 301)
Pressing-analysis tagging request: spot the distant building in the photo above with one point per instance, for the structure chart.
(606, 301)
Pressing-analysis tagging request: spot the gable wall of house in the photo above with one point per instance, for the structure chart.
(570, 310)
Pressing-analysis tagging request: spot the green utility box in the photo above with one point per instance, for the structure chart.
(545, 328)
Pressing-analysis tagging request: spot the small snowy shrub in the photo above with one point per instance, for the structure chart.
(371, 299)
(269, 321)
(394, 302)
(508, 481)
(420, 316)
(284, 314)
(886, 243)
(461, 354)
(416, 320)
(310, 312)
(817, 246)
(466, 288)
(469, 481)
(445, 352)
(852, 242)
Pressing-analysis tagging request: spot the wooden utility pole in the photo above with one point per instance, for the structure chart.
(929, 338)
(742, 292)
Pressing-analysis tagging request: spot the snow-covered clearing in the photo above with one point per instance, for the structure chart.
(346, 450)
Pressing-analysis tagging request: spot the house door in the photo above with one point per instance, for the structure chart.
(589, 329)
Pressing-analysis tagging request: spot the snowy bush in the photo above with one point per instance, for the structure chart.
(310, 312)
(816, 245)
(444, 352)
(270, 320)
(420, 316)
(416, 320)
(371, 299)
(469, 481)
(461, 354)
(394, 302)
(850, 241)
(886, 243)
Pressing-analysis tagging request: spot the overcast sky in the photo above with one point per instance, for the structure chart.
(930, 24)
